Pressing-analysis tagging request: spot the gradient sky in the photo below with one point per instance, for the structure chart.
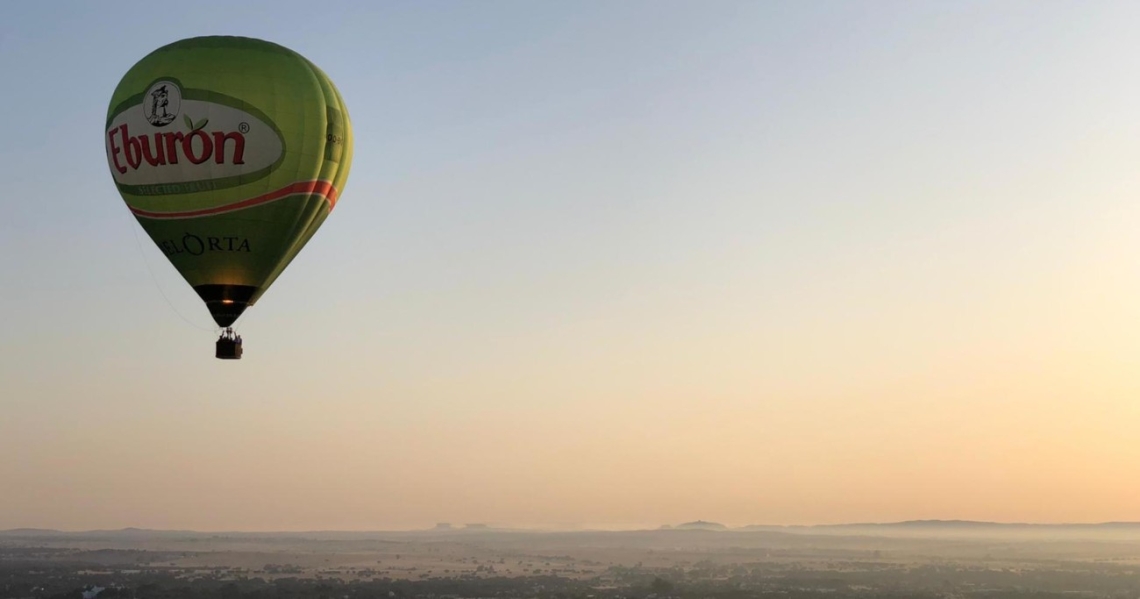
(601, 263)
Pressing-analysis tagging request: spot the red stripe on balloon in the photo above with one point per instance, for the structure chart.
(324, 189)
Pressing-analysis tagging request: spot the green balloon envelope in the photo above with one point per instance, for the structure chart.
(230, 152)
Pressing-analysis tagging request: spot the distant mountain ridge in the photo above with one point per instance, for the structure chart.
(906, 528)
(942, 524)
(963, 529)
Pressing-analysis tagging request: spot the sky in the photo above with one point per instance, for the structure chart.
(601, 264)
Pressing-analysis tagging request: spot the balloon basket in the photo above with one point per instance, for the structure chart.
(228, 347)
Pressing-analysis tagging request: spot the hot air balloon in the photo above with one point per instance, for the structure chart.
(230, 152)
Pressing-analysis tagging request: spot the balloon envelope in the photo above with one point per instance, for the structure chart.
(230, 152)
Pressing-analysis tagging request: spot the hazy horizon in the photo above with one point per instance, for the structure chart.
(574, 527)
(617, 263)
(690, 525)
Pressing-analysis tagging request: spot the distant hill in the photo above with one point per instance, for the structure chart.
(955, 528)
(122, 533)
(700, 525)
(39, 532)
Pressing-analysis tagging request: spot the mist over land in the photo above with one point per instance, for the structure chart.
(696, 559)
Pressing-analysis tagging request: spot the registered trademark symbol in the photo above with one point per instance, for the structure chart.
(243, 127)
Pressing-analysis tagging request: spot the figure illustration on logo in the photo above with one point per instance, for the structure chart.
(161, 105)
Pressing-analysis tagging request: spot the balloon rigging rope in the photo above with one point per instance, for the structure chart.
(158, 286)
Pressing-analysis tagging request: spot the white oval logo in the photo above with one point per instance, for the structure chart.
(172, 144)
